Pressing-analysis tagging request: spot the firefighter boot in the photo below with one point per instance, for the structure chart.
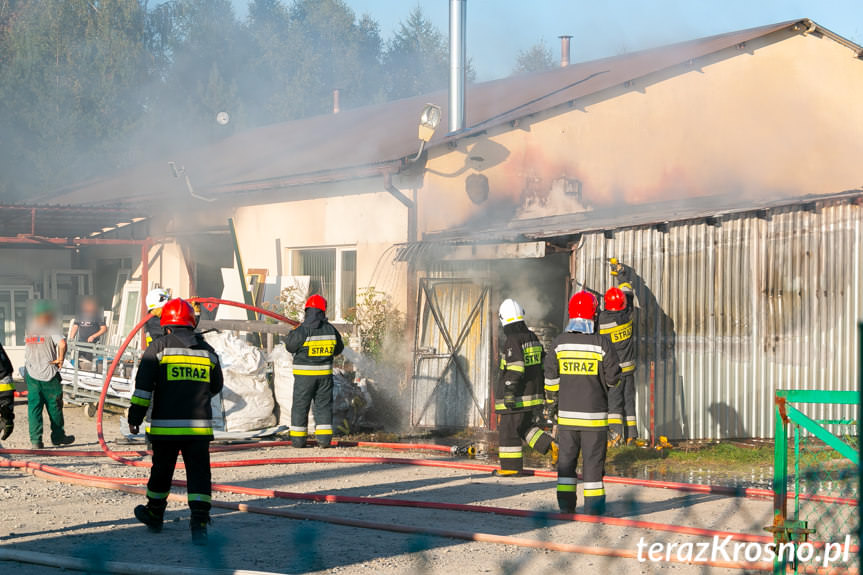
(198, 525)
(506, 473)
(7, 422)
(152, 514)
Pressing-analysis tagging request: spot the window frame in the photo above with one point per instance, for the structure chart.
(336, 304)
(11, 289)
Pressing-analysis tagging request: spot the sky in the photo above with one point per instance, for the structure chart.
(498, 29)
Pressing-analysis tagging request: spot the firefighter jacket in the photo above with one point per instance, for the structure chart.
(154, 329)
(179, 374)
(580, 368)
(617, 325)
(7, 388)
(520, 369)
(315, 343)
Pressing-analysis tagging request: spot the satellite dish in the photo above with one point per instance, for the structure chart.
(222, 118)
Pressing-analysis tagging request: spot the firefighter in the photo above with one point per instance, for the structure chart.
(179, 374)
(156, 299)
(579, 369)
(519, 395)
(615, 322)
(315, 343)
(7, 396)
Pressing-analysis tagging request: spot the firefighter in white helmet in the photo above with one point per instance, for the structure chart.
(155, 300)
(519, 396)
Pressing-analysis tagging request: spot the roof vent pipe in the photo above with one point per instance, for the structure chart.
(336, 106)
(457, 63)
(564, 50)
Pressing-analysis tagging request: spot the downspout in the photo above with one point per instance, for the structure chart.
(413, 232)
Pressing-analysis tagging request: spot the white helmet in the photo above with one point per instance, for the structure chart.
(510, 312)
(156, 298)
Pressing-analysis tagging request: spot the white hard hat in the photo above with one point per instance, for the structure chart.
(510, 312)
(156, 298)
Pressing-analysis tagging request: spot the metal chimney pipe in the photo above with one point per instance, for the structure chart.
(457, 63)
(336, 107)
(564, 51)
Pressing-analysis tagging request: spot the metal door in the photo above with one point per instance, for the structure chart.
(450, 387)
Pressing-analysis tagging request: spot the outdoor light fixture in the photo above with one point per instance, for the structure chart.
(429, 120)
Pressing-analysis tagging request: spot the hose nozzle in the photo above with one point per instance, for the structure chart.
(463, 450)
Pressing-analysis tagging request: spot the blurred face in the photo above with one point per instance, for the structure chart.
(45, 319)
(156, 312)
(88, 306)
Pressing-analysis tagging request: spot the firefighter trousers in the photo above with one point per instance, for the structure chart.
(196, 457)
(513, 427)
(309, 388)
(622, 420)
(7, 411)
(592, 446)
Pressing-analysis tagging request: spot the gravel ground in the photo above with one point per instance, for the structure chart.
(44, 516)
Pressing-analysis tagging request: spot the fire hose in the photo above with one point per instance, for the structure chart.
(122, 484)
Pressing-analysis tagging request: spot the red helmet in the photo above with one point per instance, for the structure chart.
(177, 312)
(317, 302)
(583, 305)
(615, 299)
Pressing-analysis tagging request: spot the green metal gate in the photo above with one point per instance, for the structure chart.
(817, 456)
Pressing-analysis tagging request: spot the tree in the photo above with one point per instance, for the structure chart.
(70, 89)
(416, 59)
(537, 58)
(207, 50)
(313, 48)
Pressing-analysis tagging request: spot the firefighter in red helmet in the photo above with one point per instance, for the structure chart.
(315, 344)
(579, 369)
(179, 374)
(615, 323)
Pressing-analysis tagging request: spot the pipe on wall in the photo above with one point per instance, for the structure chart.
(457, 63)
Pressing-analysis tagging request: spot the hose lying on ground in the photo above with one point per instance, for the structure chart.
(118, 567)
(51, 473)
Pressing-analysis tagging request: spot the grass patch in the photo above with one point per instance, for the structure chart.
(719, 456)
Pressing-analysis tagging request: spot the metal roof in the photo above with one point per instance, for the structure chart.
(363, 142)
(64, 224)
(616, 218)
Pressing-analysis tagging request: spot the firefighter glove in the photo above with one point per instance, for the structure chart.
(550, 412)
(509, 400)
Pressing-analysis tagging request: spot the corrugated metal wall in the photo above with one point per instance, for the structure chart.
(733, 309)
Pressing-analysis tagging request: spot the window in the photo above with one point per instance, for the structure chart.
(332, 273)
(13, 314)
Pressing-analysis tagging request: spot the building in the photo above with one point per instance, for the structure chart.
(763, 116)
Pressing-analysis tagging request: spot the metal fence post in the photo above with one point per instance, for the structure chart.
(780, 477)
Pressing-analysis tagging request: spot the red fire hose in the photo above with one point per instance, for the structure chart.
(122, 483)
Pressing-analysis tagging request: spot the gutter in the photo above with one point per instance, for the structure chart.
(356, 172)
(816, 29)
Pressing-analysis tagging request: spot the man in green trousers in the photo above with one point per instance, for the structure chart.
(44, 352)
